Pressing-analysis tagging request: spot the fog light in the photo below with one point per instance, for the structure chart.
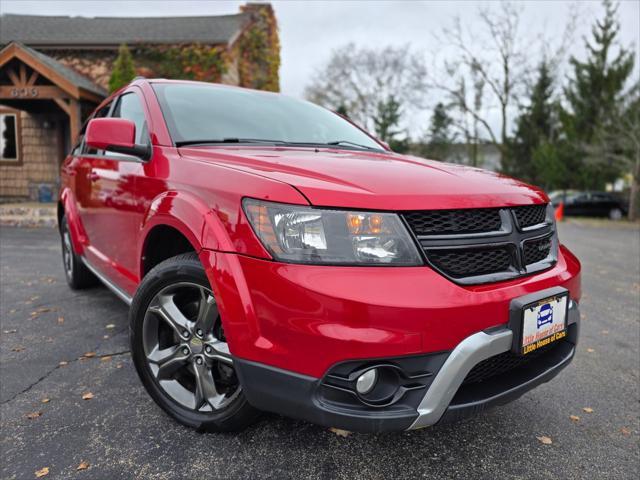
(367, 381)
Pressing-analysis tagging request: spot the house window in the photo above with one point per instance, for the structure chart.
(9, 137)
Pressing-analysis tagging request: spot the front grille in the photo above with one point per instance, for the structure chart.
(442, 222)
(469, 263)
(474, 246)
(530, 215)
(501, 363)
(536, 250)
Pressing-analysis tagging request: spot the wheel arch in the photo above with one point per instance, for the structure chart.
(179, 213)
(67, 208)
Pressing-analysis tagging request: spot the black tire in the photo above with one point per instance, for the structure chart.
(234, 416)
(75, 271)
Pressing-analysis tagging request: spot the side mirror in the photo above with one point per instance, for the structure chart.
(115, 135)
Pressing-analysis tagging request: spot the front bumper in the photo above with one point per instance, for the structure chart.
(308, 318)
(443, 395)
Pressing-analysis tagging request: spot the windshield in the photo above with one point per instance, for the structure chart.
(209, 113)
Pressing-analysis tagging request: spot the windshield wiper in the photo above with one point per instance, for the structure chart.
(228, 140)
(271, 142)
(348, 142)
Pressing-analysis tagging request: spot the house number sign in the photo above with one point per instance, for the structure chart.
(24, 92)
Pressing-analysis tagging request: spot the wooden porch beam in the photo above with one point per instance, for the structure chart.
(74, 120)
(32, 79)
(23, 74)
(64, 106)
(12, 75)
(13, 51)
(31, 92)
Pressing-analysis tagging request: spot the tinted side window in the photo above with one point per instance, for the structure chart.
(130, 107)
(602, 197)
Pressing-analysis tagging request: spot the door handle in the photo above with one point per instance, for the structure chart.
(94, 177)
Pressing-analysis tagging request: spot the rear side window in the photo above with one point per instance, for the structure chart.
(130, 107)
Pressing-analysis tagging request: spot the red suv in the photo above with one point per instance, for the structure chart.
(277, 257)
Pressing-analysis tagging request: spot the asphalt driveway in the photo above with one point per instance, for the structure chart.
(46, 329)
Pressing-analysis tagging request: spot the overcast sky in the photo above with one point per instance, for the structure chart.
(309, 30)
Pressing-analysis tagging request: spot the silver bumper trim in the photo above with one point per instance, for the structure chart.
(471, 351)
(463, 358)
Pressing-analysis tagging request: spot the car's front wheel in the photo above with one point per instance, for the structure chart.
(180, 350)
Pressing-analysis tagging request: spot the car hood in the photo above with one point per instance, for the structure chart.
(371, 180)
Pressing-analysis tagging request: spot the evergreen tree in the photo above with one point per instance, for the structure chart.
(593, 95)
(440, 137)
(342, 110)
(386, 123)
(533, 155)
(123, 69)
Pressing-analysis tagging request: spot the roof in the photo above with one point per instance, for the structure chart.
(108, 32)
(67, 73)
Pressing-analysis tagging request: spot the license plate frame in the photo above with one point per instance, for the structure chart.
(535, 300)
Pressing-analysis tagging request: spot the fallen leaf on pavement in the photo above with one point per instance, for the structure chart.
(42, 472)
(63, 363)
(33, 415)
(590, 350)
(111, 325)
(574, 418)
(587, 410)
(89, 355)
(60, 320)
(340, 432)
(625, 431)
(40, 310)
(45, 400)
(13, 330)
(87, 396)
(545, 440)
(106, 358)
(83, 466)
(17, 348)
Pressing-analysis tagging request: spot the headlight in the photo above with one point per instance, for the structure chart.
(299, 234)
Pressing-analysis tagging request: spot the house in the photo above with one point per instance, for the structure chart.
(55, 70)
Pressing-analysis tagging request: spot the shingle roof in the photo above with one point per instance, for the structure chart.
(42, 31)
(66, 72)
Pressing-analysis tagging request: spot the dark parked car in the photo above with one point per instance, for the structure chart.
(591, 204)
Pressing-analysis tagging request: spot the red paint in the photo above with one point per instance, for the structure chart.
(104, 132)
(298, 317)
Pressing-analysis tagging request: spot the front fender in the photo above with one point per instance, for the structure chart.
(184, 212)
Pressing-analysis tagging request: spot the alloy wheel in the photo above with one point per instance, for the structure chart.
(186, 350)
